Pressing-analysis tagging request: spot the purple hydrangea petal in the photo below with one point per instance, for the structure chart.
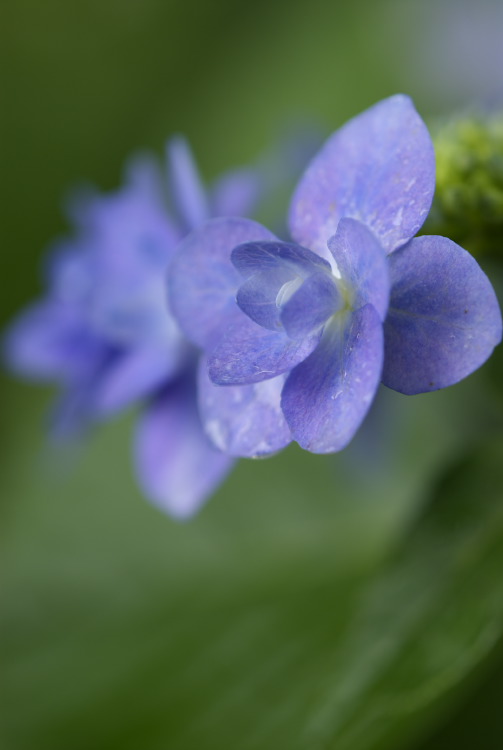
(131, 320)
(236, 193)
(311, 305)
(362, 264)
(143, 179)
(272, 272)
(72, 412)
(444, 319)
(68, 273)
(135, 373)
(177, 466)
(327, 396)
(257, 296)
(51, 341)
(249, 353)
(187, 187)
(251, 257)
(127, 244)
(127, 234)
(202, 280)
(144, 175)
(379, 169)
(243, 420)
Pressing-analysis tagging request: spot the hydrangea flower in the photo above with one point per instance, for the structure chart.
(354, 300)
(103, 332)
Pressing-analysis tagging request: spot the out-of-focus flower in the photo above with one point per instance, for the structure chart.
(103, 331)
(365, 302)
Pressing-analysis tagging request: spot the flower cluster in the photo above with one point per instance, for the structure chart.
(103, 331)
(354, 301)
(289, 339)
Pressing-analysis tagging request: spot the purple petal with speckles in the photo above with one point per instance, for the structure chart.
(379, 168)
(249, 353)
(326, 398)
(251, 257)
(202, 280)
(444, 319)
(243, 420)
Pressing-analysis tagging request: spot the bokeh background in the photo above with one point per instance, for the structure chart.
(351, 602)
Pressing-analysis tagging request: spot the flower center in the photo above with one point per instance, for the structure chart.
(346, 292)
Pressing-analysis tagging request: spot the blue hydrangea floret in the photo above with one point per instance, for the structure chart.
(354, 300)
(103, 332)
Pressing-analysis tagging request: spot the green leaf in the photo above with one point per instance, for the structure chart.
(272, 620)
(426, 620)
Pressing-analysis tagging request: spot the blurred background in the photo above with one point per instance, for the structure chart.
(353, 601)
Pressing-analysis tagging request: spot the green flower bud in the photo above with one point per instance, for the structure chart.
(468, 203)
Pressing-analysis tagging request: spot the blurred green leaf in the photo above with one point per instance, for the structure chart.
(476, 722)
(427, 619)
(259, 625)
